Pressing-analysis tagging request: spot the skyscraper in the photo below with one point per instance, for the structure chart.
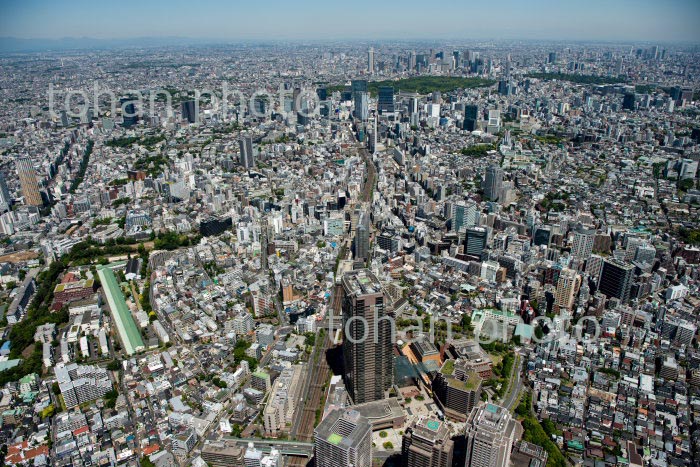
(5, 198)
(370, 61)
(628, 102)
(362, 237)
(493, 182)
(475, 241)
(490, 434)
(385, 103)
(188, 111)
(28, 182)
(360, 98)
(247, 157)
(583, 244)
(471, 116)
(616, 279)
(343, 439)
(567, 286)
(367, 347)
(552, 57)
(427, 443)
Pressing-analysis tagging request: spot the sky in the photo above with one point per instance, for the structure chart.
(597, 20)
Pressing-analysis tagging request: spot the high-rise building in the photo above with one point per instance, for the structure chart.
(5, 197)
(28, 182)
(475, 241)
(616, 279)
(129, 114)
(567, 286)
(628, 102)
(552, 57)
(583, 244)
(247, 157)
(412, 60)
(385, 103)
(490, 434)
(457, 389)
(493, 183)
(370, 61)
(471, 117)
(367, 348)
(360, 98)
(362, 237)
(343, 439)
(427, 443)
(463, 214)
(189, 111)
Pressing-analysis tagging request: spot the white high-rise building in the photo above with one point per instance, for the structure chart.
(583, 244)
(490, 434)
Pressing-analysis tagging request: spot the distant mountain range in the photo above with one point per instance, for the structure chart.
(14, 44)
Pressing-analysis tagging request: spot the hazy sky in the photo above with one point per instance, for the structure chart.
(625, 20)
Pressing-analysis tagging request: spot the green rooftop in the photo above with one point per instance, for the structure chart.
(128, 333)
(448, 368)
(335, 439)
(471, 383)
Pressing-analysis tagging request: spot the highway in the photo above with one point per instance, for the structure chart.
(515, 384)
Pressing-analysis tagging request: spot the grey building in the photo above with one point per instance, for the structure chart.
(427, 443)
(343, 439)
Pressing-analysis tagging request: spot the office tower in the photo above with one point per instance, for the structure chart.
(645, 253)
(28, 182)
(361, 108)
(343, 439)
(322, 93)
(427, 443)
(493, 183)
(552, 57)
(188, 111)
(471, 117)
(628, 102)
(412, 60)
(370, 61)
(129, 115)
(457, 389)
(463, 214)
(362, 237)
(5, 198)
(367, 348)
(542, 236)
(616, 279)
(475, 241)
(490, 434)
(385, 102)
(247, 157)
(567, 286)
(583, 244)
(358, 88)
